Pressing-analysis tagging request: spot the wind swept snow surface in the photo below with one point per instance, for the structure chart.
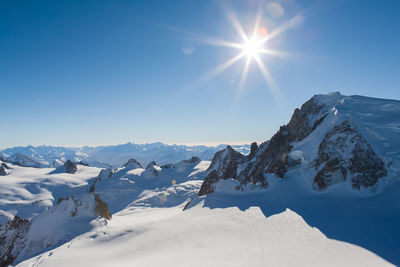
(205, 237)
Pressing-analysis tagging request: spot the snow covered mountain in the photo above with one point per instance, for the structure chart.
(333, 139)
(110, 156)
(324, 190)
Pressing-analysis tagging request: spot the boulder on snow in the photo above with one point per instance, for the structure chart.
(70, 167)
(67, 167)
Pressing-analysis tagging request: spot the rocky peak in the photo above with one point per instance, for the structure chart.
(343, 154)
(105, 174)
(132, 164)
(270, 157)
(70, 167)
(223, 166)
(225, 162)
(253, 151)
(153, 168)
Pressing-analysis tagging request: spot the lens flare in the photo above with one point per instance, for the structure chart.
(252, 47)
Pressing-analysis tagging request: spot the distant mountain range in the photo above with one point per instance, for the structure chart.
(110, 156)
(323, 190)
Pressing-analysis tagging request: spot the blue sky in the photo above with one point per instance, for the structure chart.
(108, 72)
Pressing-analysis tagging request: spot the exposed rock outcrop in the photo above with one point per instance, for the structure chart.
(192, 160)
(103, 175)
(253, 151)
(223, 166)
(132, 164)
(2, 171)
(153, 168)
(102, 208)
(207, 185)
(345, 153)
(12, 239)
(5, 166)
(274, 157)
(70, 167)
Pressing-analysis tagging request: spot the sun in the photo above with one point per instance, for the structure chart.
(252, 47)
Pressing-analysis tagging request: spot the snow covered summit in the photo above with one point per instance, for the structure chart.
(331, 139)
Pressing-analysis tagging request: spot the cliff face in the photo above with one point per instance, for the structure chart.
(21, 238)
(223, 166)
(343, 154)
(12, 239)
(342, 151)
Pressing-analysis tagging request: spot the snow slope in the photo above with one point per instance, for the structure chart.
(205, 237)
(159, 219)
(29, 191)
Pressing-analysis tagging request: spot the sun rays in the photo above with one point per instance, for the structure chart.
(252, 46)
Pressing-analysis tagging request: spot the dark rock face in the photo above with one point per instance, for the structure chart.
(12, 239)
(2, 171)
(274, 157)
(226, 161)
(168, 166)
(5, 166)
(253, 151)
(271, 156)
(3, 159)
(343, 153)
(70, 167)
(223, 166)
(206, 187)
(192, 160)
(151, 167)
(102, 208)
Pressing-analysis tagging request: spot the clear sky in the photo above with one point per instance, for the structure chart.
(109, 72)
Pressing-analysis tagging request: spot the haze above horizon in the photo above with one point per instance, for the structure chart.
(90, 73)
